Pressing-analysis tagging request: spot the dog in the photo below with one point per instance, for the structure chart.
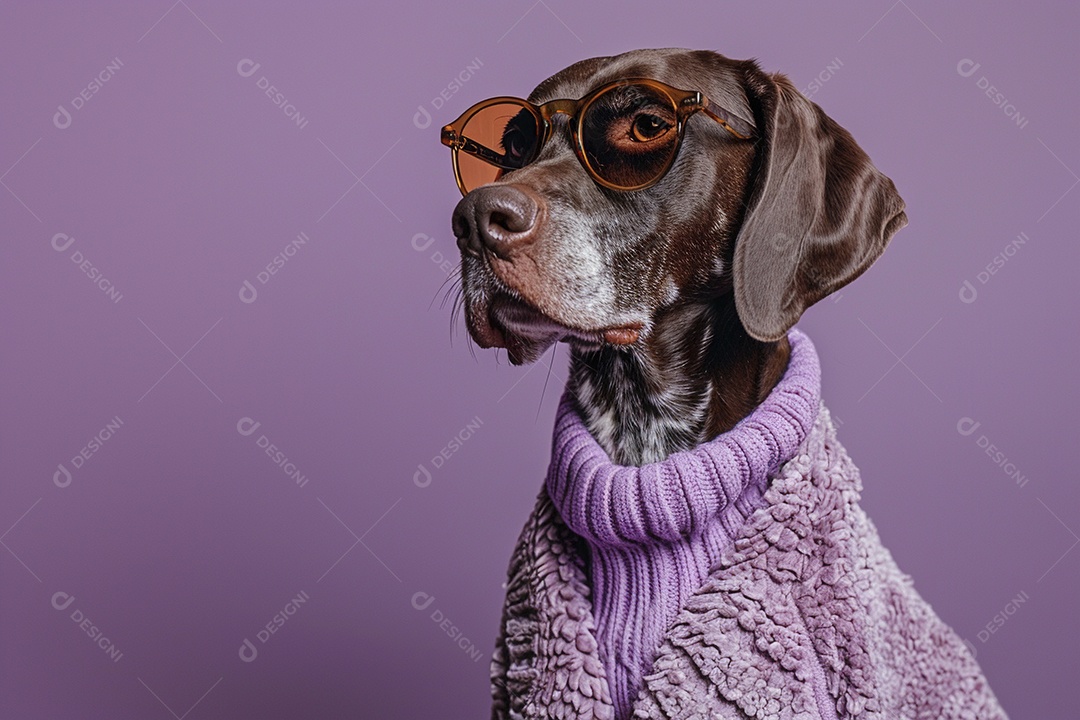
(670, 214)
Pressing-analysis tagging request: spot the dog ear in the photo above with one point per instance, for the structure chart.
(818, 212)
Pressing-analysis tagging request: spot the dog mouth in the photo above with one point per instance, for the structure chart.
(526, 332)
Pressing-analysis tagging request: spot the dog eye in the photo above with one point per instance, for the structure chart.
(513, 144)
(647, 127)
(518, 139)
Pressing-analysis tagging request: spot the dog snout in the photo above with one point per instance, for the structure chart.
(501, 218)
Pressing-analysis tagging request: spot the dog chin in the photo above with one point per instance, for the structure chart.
(522, 351)
(525, 332)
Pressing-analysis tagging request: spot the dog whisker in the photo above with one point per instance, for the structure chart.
(449, 279)
(551, 362)
(454, 278)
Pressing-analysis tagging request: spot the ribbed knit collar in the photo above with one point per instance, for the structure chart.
(621, 505)
(655, 531)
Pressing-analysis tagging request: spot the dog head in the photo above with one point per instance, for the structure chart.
(773, 223)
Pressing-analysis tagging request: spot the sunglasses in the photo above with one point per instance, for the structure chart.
(625, 134)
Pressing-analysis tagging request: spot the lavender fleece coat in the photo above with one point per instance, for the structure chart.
(805, 615)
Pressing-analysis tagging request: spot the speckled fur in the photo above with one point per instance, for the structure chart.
(808, 590)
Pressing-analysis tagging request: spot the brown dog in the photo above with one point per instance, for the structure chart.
(670, 214)
(676, 298)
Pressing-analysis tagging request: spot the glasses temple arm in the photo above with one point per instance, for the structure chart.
(486, 154)
(737, 127)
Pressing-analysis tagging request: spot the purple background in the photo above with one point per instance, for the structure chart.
(180, 179)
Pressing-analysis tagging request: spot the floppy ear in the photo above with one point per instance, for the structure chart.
(818, 211)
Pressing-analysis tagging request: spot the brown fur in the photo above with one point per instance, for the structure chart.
(708, 268)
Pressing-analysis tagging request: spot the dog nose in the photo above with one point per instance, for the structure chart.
(502, 218)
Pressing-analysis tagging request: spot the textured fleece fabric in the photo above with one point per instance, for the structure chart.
(740, 579)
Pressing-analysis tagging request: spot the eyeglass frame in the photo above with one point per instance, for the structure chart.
(684, 102)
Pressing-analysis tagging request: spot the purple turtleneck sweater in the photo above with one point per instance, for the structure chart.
(654, 531)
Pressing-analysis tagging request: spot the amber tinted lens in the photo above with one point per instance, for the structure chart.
(630, 135)
(505, 137)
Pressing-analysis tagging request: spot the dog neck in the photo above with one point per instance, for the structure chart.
(694, 376)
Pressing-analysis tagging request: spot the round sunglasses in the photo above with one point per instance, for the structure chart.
(625, 134)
